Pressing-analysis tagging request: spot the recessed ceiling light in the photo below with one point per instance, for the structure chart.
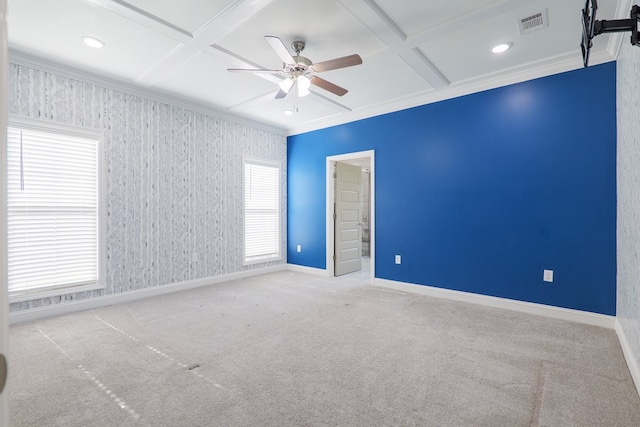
(288, 112)
(502, 47)
(92, 42)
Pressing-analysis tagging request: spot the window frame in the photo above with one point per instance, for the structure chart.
(270, 163)
(21, 295)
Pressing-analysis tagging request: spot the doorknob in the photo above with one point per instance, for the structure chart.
(3, 372)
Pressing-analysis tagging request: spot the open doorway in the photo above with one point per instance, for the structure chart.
(365, 160)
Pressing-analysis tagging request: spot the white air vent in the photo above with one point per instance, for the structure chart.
(535, 22)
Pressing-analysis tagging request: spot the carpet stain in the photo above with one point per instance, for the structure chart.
(537, 397)
(96, 381)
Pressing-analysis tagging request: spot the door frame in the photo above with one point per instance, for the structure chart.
(330, 197)
(4, 298)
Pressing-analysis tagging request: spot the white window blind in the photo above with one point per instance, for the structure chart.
(261, 211)
(52, 212)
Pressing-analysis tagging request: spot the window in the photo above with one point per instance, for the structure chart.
(52, 209)
(261, 211)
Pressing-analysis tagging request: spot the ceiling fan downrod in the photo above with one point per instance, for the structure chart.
(302, 64)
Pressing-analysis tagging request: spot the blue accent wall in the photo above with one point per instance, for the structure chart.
(482, 193)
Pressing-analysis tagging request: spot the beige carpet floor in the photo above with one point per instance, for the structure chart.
(290, 349)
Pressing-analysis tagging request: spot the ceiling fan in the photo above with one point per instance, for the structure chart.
(300, 71)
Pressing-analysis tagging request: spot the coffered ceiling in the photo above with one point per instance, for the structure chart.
(413, 51)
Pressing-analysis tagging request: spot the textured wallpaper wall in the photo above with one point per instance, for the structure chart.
(628, 171)
(173, 180)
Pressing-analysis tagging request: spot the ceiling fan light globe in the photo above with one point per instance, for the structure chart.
(304, 82)
(303, 92)
(303, 86)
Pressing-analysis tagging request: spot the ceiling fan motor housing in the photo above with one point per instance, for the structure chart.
(300, 67)
(302, 64)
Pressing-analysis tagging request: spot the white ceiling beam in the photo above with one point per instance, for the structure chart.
(220, 52)
(382, 26)
(466, 20)
(320, 99)
(417, 60)
(328, 102)
(407, 47)
(231, 17)
(253, 101)
(141, 17)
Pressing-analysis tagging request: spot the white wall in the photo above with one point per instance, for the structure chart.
(173, 179)
(628, 183)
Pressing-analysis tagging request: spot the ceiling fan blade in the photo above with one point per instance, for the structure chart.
(280, 49)
(322, 83)
(254, 70)
(285, 87)
(333, 64)
(281, 94)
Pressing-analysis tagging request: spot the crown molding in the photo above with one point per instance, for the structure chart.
(24, 59)
(615, 39)
(555, 65)
(559, 64)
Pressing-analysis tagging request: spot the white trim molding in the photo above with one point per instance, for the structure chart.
(570, 315)
(632, 363)
(18, 57)
(330, 197)
(307, 270)
(48, 126)
(616, 39)
(103, 301)
(521, 73)
(257, 161)
(26, 295)
(4, 297)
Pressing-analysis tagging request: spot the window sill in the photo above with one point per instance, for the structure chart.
(26, 295)
(261, 261)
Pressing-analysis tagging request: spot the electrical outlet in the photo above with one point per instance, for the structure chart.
(398, 259)
(299, 248)
(194, 257)
(547, 276)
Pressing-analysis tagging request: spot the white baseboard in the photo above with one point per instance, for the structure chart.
(578, 316)
(632, 363)
(308, 270)
(86, 304)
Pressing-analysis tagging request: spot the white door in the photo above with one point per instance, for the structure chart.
(348, 239)
(4, 306)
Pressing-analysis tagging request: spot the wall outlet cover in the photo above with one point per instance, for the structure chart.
(547, 276)
(398, 259)
(299, 248)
